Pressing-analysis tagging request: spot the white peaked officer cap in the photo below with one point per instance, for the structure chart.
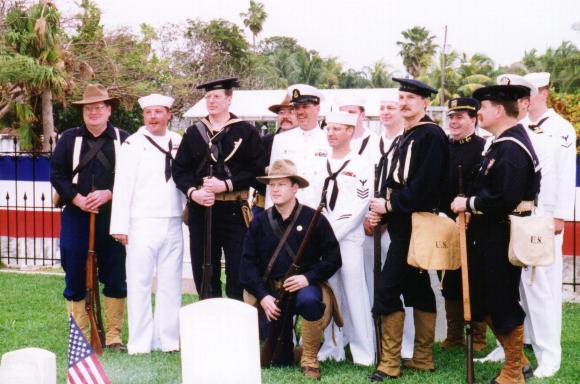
(341, 118)
(156, 100)
(539, 79)
(390, 95)
(304, 93)
(511, 79)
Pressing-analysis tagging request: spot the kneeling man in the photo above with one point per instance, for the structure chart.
(265, 262)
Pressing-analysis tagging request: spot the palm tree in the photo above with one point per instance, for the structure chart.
(34, 55)
(379, 75)
(417, 50)
(254, 19)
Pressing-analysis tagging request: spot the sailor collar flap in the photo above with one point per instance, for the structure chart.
(204, 128)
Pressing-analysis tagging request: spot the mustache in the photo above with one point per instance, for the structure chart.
(285, 121)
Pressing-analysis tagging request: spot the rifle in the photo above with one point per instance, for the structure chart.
(278, 329)
(465, 287)
(92, 298)
(207, 261)
(377, 272)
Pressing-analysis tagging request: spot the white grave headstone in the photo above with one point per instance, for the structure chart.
(219, 343)
(28, 366)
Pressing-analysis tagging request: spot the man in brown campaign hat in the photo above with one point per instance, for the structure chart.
(82, 173)
(320, 261)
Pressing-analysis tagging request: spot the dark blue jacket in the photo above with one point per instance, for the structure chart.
(61, 164)
(320, 261)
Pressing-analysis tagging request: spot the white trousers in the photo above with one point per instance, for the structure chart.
(155, 245)
(350, 286)
(369, 261)
(542, 302)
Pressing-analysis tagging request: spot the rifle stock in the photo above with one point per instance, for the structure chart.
(377, 272)
(92, 300)
(465, 287)
(278, 329)
(207, 259)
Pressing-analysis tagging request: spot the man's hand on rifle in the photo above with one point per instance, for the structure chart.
(295, 283)
(81, 202)
(203, 197)
(214, 185)
(97, 198)
(368, 227)
(123, 239)
(374, 219)
(270, 308)
(377, 205)
(459, 204)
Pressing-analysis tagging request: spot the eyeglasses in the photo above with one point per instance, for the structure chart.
(96, 108)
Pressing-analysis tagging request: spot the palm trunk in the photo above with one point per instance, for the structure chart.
(47, 120)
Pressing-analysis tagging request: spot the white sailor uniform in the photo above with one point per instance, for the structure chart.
(309, 151)
(147, 207)
(347, 203)
(542, 300)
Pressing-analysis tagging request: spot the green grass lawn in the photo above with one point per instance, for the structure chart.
(32, 314)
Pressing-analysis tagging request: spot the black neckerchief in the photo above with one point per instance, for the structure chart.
(167, 154)
(332, 176)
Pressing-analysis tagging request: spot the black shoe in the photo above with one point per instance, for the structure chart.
(119, 347)
(380, 376)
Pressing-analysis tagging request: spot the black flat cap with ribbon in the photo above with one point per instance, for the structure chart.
(415, 86)
(224, 83)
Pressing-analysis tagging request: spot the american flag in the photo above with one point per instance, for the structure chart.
(83, 365)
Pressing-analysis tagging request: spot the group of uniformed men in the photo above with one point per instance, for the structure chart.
(134, 190)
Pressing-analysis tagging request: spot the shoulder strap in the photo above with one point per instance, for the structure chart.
(88, 157)
(521, 145)
(282, 242)
(364, 145)
(76, 157)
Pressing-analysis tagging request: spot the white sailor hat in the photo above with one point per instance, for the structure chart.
(539, 79)
(391, 95)
(350, 100)
(156, 99)
(304, 93)
(512, 79)
(341, 118)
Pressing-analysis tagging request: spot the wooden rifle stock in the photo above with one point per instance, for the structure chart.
(465, 287)
(92, 298)
(278, 329)
(207, 259)
(377, 272)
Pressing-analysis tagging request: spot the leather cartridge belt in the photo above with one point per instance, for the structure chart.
(524, 206)
(232, 196)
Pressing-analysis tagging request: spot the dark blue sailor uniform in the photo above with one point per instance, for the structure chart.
(100, 173)
(320, 261)
(506, 177)
(468, 153)
(416, 182)
(237, 156)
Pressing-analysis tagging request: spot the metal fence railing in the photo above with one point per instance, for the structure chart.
(29, 223)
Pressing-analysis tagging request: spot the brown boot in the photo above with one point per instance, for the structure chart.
(311, 335)
(392, 340)
(454, 315)
(424, 337)
(513, 345)
(79, 312)
(114, 315)
(478, 330)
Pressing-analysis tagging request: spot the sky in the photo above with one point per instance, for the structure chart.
(362, 32)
